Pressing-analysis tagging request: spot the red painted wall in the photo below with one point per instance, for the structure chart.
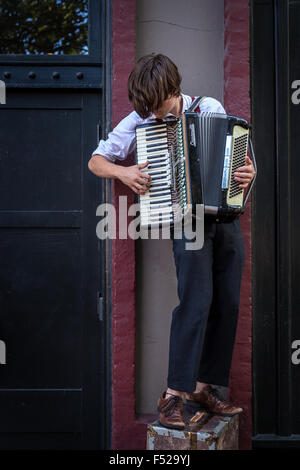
(237, 101)
(127, 432)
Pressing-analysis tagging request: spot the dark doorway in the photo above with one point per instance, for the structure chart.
(276, 229)
(53, 388)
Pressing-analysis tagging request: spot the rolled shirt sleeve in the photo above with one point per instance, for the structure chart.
(121, 141)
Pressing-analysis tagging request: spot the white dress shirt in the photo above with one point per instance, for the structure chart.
(121, 140)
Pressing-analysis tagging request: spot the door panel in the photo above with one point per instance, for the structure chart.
(294, 75)
(53, 293)
(51, 272)
(39, 158)
(275, 66)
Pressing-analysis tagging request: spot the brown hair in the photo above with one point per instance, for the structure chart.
(154, 79)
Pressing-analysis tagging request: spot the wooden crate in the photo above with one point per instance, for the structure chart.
(212, 432)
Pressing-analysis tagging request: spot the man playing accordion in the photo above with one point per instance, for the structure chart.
(204, 323)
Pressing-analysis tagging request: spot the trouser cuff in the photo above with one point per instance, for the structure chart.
(189, 387)
(224, 382)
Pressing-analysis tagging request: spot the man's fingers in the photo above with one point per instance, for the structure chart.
(141, 188)
(143, 165)
(243, 179)
(145, 175)
(138, 186)
(143, 182)
(248, 168)
(138, 191)
(241, 174)
(245, 173)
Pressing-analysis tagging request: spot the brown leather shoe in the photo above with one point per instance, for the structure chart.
(170, 410)
(209, 400)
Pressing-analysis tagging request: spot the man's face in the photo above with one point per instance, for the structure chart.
(170, 105)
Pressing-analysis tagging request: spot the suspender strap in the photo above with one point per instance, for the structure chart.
(195, 103)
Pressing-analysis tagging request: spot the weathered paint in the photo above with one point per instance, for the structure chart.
(237, 101)
(216, 433)
(126, 432)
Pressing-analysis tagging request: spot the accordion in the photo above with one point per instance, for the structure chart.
(192, 160)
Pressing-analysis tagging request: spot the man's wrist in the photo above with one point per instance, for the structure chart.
(118, 171)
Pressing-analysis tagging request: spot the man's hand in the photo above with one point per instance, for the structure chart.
(245, 174)
(137, 180)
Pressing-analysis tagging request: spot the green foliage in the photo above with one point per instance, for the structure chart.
(43, 26)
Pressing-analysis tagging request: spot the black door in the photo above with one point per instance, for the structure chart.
(276, 269)
(53, 387)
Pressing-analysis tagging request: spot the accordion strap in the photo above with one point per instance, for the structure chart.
(195, 103)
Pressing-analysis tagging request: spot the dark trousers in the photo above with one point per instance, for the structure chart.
(204, 323)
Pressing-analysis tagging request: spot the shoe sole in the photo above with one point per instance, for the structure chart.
(172, 426)
(228, 414)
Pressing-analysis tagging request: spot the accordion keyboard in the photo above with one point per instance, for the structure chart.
(152, 145)
(162, 145)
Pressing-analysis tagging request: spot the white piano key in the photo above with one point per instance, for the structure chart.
(149, 203)
(155, 197)
(151, 129)
(155, 154)
(156, 212)
(144, 142)
(146, 198)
